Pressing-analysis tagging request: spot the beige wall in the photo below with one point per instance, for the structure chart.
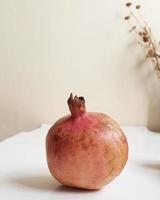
(50, 48)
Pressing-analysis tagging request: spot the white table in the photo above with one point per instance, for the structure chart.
(24, 173)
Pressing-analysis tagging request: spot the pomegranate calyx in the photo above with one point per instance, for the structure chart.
(76, 105)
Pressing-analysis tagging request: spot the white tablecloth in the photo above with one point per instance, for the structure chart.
(24, 173)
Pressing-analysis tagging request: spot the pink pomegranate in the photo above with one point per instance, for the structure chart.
(85, 149)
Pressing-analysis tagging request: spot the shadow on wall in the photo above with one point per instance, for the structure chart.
(151, 85)
(153, 121)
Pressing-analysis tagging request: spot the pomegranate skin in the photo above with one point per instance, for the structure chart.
(87, 151)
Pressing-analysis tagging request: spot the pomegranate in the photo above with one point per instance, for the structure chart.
(85, 149)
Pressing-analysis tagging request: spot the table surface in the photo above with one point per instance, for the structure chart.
(24, 173)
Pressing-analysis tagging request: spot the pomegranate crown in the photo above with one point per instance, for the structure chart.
(76, 105)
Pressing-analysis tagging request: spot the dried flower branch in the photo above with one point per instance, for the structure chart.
(143, 34)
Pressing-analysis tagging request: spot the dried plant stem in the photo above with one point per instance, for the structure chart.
(135, 18)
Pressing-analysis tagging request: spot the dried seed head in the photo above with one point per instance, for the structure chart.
(128, 4)
(151, 53)
(127, 17)
(145, 33)
(138, 7)
(145, 39)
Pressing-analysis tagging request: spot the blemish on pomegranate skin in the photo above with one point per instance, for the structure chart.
(56, 151)
(57, 138)
(82, 138)
(85, 146)
(73, 154)
(59, 129)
